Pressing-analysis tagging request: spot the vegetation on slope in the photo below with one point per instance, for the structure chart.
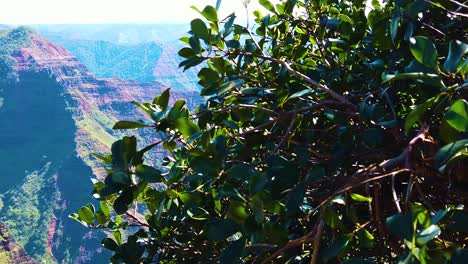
(334, 132)
(10, 41)
(29, 210)
(106, 59)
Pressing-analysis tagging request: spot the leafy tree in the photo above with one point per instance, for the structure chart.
(333, 132)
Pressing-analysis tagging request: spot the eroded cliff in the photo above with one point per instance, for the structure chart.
(56, 115)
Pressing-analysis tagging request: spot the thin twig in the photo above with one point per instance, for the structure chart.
(356, 185)
(447, 10)
(322, 87)
(458, 3)
(394, 195)
(283, 140)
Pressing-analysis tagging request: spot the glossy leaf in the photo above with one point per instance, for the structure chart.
(415, 115)
(428, 234)
(128, 125)
(456, 51)
(457, 115)
(86, 215)
(359, 198)
(148, 173)
(199, 29)
(210, 13)
(424, 51)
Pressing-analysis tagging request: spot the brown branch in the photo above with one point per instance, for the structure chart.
(348, 188)
(292, 243)
(318, 237)
(136, 219)
(255, 129)
(285, 64)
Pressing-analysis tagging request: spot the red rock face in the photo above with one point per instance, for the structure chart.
(96, 103)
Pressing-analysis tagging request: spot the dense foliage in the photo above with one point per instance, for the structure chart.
(333, 132)
(11, 40)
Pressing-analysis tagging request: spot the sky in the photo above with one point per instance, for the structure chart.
(109, 11)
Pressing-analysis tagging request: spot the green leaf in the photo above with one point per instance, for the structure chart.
(446, 152)
(228, 86)
(301, 93)
(267, 5)
(336, 247)
(427, 234)
(237, 212)
(345, 18)
(457, 115)
(120, 177)
(176, 110)
(122, 153)
(128, 125)
(86, 215)
(415, 115)
(187, 53)
(163, 99)
(186, 127)
(123, 202)
(408, 76)
(456, 51)
(400, 225)
(394, 27)
(424, 51)
(359, 198)
(210, 13)
(148, 173)
(220, 230)
(439, 215)
(198, 213)
(109, 244)
(199, 29)
(233, 252)
(228, 26)
(104, 208)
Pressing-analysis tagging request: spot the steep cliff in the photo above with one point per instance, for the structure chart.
(55, 116)
(10, 252)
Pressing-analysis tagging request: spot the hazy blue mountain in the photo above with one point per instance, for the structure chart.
(142, 52)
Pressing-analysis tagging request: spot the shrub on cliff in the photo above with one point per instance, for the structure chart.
(333, 132)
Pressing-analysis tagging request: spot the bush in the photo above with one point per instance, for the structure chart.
(333, 132)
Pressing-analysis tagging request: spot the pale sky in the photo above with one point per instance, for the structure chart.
(110, 11)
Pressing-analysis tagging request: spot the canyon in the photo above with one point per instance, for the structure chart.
(55, 115)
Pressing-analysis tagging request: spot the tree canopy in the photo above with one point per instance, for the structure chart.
(332, 132)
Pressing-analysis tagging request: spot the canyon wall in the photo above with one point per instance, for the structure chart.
(55, 115)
